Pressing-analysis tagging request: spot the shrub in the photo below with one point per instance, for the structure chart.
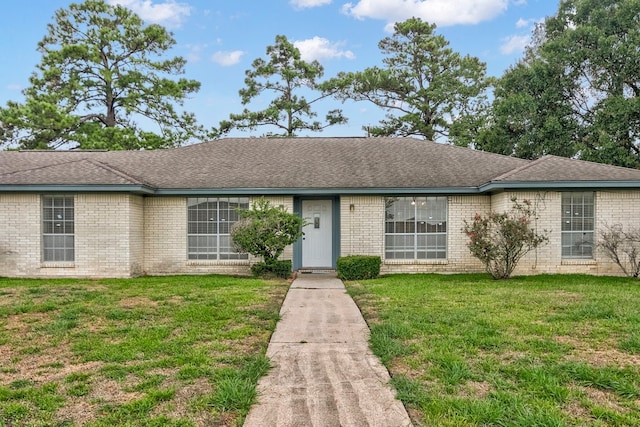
(622, 247)
(357, 267)
(280, 268)
(500, 240)
(265, 230)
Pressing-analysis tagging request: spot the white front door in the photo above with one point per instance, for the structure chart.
(317, 242)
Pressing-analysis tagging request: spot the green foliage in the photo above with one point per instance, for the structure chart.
(284, 74)
(531, 115)
(280, 268)
(198, 336)
(500, 240)
(101, 71)
(427, 89)
(467, 350)
(266, 230)
(576, 92)
(358, 267)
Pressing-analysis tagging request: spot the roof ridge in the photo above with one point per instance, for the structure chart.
(116, 171)
(42, 167)
(531, 163)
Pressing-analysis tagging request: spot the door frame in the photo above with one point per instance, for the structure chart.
(335, 229)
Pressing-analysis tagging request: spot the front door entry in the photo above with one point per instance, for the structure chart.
(317, 242)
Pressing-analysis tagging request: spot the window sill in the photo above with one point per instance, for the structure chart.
(578, 262)
(205, 262)
(416, 261)
(49, 264)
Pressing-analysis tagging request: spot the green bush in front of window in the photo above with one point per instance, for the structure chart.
(358, 267)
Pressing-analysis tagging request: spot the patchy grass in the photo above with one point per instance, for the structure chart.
(465, 350)
(165, 351)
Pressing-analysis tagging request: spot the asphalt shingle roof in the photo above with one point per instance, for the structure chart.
(297, 163)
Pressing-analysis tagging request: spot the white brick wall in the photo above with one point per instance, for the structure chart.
(165, 240)
(120, 235)
(459, 259)
(361, 225)
(102, 235)
(19, 234)
(611, 207)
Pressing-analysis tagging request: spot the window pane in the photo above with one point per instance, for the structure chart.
(209, 221)
(577, 224)
(57, 228)
(415, 218)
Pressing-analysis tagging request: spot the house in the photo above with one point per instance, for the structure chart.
(121, 214)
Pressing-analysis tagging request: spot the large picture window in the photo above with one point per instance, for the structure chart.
(58, 229)
(209, 224)
(577, 224)
(416, 228)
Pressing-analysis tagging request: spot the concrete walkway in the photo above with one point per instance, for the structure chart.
(323, 372)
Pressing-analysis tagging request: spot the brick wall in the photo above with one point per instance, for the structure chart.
(459, 259)
(362, 231)
(104, 237)
(120, 235)
(19, 234)
(611, 207)
(361, 225)
(165, 240)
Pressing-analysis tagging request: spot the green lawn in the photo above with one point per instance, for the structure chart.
(465, 350)
(157, 351)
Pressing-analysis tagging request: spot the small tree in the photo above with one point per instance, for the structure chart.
(265, 230)
(500, 240)
(622, 247)
(286, 75)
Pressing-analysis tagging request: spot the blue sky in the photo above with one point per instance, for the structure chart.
(220, 39)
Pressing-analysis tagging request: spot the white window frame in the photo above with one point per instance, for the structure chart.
(578, 225)
(58, 228)
(208, 230)
(429, 212)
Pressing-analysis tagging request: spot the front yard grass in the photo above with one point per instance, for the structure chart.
(153, 351)
(465, 350)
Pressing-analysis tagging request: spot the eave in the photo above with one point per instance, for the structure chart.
(557, 185)
(58, 188)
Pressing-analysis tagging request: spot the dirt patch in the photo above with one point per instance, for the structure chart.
(175, 299)
(603, 398)
(20, 324)
(563, 296)
(43, 368)
(475, 389)
(181, 404)
(110, 391)
(134, 302)
(577, 411)
(78, 411)
(599, 357)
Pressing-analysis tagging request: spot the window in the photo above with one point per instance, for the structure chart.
(416, 228)
(209, 223)
(577, 225)
(58, 229)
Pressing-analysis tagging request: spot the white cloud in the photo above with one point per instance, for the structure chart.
(227, 59)
(195, 52)
(440, 12)
(169, 13)
(522, 23)
(301, 4)
(14, 86)
(320, 48)
(514, 44)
